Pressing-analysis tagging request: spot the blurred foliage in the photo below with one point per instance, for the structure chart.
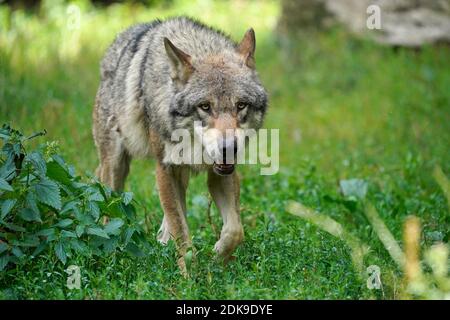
(300, 16)
(32, 4)
(417, 283)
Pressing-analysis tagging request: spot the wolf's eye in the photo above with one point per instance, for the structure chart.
(204, 106)
(241, 105)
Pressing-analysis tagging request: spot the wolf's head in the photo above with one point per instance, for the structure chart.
(216, 96)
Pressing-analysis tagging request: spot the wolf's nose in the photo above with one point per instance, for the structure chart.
(229, 150)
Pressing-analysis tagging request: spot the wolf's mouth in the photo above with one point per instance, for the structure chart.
(223, 169)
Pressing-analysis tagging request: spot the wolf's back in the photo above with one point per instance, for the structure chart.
(187, 34)
(123, 47)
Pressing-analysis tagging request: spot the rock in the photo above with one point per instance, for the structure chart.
(409, 23)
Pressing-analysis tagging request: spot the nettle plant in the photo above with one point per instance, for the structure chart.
(45, 208)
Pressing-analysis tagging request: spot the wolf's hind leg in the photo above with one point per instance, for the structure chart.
(119, 170)
(225, 193)
(114, 166)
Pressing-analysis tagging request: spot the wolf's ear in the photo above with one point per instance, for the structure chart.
(180, 62)
(247, 48)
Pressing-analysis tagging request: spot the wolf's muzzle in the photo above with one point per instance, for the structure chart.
(223, 169)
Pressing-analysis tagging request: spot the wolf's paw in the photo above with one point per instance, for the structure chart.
(229, 240)
(163, 233)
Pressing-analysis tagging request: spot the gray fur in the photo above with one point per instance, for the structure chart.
(155, 78)
(137, 91)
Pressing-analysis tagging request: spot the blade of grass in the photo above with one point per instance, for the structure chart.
(385, 235)
(411, 238)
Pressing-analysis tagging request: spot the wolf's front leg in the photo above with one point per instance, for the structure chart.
(225, 193)
(172, 185)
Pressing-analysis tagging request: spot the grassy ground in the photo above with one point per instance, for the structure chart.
(345, 108)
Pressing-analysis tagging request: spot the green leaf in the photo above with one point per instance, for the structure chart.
(94, 194)
(17, 252)
(127, 197)
(9, 149)
(115, 209)
(78, 246)
(3, 247)
(29, 215)
(110, 245)
(64, 223)
(84, 218)
(68, 234)
(134, 250)
(4, 259)
(7, 205)
(354, 188)
(60, 253)
(93, 209)
(47, 192)
(5, 132)
(79, 230)
(29, 241)
(97, 232)
(104, 190)
(80, 185)
(128, 234)
(4, 185)
(46, 232)
(8, 169)
(70, 206)
(17, 149)
(60, 161)
(140, 238)
(31, 201)
(113, 226)
(58, 173)
(130, 211)
(14, 227)
(38, 162)
(66, 190)
(435, 235)
(39, 249)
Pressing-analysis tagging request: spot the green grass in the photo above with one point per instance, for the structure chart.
(345, 107)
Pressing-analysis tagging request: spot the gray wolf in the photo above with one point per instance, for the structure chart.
(165, 75)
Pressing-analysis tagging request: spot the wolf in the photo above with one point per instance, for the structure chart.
(179, 73)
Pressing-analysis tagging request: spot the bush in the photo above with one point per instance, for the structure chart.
(46, 208)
